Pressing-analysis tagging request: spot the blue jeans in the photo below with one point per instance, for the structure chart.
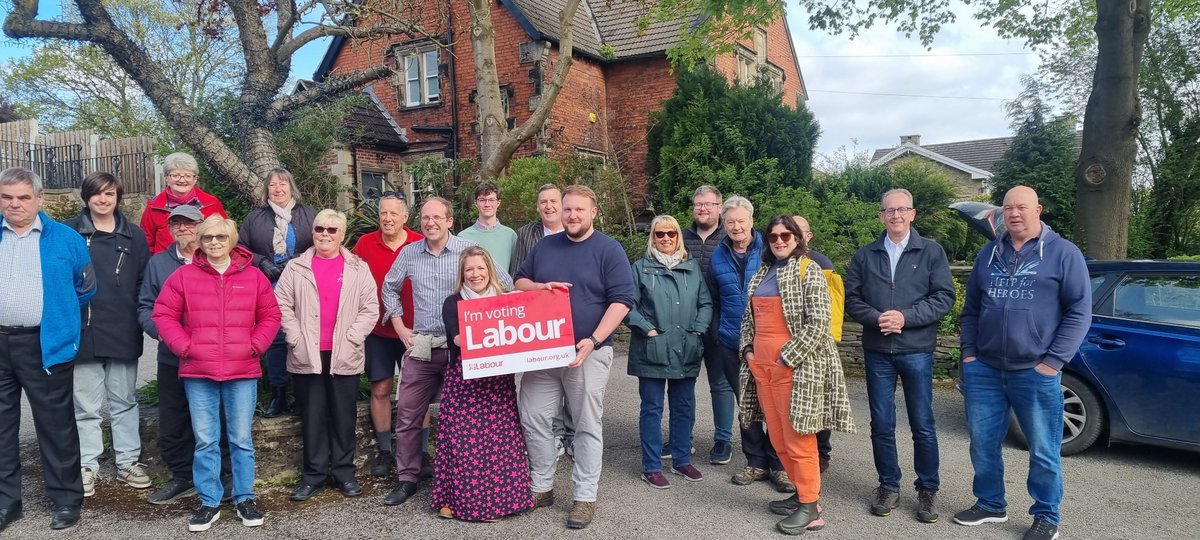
(719, 365)
(1037, 402)
(277, 373)
(916, 376)
(681, 394)
(206, 398)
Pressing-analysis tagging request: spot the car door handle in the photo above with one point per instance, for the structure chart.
(1107, 343)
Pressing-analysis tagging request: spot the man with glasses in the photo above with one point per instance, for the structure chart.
(701, 240)
(47, 275)
(176, 443)
(899, 287)
(431, 264)
(383, 348)
(487, 231)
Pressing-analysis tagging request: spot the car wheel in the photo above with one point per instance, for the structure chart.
(1084, 417)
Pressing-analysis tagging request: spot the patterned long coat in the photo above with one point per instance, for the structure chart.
(819, 398)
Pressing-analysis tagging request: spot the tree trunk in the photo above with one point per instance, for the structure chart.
(492, 123)
(1104, 175)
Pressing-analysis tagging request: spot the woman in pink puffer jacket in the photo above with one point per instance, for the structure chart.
(219, 315)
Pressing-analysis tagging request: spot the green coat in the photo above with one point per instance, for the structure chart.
(676, 302)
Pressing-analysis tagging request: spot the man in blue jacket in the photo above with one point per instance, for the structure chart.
(1028, 307)
(899, 287)
(47, 277)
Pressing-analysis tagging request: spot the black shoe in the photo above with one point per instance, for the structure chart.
(305, 492)
(174, 489)
(400, 493)
(350, 489)
(385, 464)
(64, 517)
(250, 514)
(1041, 530)
(278, 404)
(799, 521)
(976, 516)
(9, 515)
(785, 507)
(204, 518)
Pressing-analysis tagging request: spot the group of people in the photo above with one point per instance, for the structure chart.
(753, 307)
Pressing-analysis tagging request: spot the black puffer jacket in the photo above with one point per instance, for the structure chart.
(110, 324)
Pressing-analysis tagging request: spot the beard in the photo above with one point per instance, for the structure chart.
(581, 233)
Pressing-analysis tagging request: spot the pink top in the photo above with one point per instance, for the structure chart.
(328, 273)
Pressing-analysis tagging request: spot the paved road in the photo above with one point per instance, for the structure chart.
(1120, 492)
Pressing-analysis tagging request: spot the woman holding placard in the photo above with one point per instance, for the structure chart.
(671, 312)
(481, 469)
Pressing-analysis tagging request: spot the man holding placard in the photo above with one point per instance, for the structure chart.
(595, 270)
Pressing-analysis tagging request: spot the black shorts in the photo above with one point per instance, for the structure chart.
(383, 357)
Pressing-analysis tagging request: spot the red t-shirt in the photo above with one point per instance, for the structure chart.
(379, 258)
(328, 273)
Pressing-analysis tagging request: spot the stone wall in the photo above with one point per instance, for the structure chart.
(945, 357)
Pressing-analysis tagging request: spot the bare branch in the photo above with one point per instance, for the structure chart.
(286, 16)
(332, 89)
(353, 32)
(23, 23)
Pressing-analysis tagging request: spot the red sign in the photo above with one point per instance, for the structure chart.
(514, 333)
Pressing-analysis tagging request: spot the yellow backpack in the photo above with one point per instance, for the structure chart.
(837, 295)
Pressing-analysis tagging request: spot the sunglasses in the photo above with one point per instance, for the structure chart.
(393, 195)
(784, 237)
(665, 234)
(323, 229)
(219, 238)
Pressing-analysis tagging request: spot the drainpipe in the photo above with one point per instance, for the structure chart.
(453, 99)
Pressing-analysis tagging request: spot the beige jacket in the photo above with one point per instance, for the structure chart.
(358, 310)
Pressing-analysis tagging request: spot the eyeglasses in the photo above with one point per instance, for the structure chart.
(490, 200)
(665, 234)
(393, 195)
(896, 210)
(182, 224)
(321, 229)
(218, 238)
(181, 176)
(705, 205)
(784, 237)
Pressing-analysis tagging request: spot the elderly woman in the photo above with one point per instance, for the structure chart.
(328, 302)
(734, 262)
(481, 469)
(218, 315)
(276, 233)
(791, 375)
(111, 339)
(670, 315)
(181, 172)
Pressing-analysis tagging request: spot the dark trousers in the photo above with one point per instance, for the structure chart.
(176, 443)
(756, 445)
(276, 364)
(327, 406)
(51, 399)
(419, 382)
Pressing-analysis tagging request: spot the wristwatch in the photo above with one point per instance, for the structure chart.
(595, 342)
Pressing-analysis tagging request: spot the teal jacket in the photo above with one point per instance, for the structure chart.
(676, 302)
(68, 283)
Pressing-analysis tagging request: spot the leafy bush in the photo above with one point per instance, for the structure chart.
(949, 324)
(519, 191)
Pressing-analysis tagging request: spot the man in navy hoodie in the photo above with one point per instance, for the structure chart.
(1028, 307)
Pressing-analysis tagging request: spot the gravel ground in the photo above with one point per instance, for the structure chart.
(1119, 492)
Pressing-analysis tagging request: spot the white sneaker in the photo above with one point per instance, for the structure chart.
(559, 449)
(89, 482)
(135, 475)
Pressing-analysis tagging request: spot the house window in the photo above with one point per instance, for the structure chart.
(747, 65)
(422, 85)
(760, 46)
(371, 184)
(752, 64)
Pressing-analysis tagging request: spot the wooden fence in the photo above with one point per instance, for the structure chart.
(64, 159)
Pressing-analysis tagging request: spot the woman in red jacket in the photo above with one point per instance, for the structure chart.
(219, 315)
(181, 172)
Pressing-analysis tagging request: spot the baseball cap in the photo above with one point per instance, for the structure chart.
(186, 211)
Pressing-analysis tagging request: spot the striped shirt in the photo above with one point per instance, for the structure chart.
(433, 278)
(21, 274)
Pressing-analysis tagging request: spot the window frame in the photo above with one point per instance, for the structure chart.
(414, 63)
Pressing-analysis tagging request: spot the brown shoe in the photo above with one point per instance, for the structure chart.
(749, 475)
(543, 499)
(782, 483)
(581, 514)
(883, 501)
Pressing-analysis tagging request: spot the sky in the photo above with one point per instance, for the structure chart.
(861, 90)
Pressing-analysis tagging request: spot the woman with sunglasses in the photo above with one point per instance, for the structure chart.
(277, 232)
(481, 470)
(791, 373)
(671, 312)
(218, 315)
(329, 305)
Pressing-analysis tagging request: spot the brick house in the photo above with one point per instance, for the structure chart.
(617, 79)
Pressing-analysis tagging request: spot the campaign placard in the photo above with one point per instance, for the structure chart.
(515, 333)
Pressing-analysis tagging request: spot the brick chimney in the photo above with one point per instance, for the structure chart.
(910, 139)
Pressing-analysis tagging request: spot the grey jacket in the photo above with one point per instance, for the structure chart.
(158, 269)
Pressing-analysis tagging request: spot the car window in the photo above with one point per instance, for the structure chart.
(1167, 299)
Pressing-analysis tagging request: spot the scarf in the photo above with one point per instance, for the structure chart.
(668, 260)
(283, 218)
(468, 294)
(174, 200)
